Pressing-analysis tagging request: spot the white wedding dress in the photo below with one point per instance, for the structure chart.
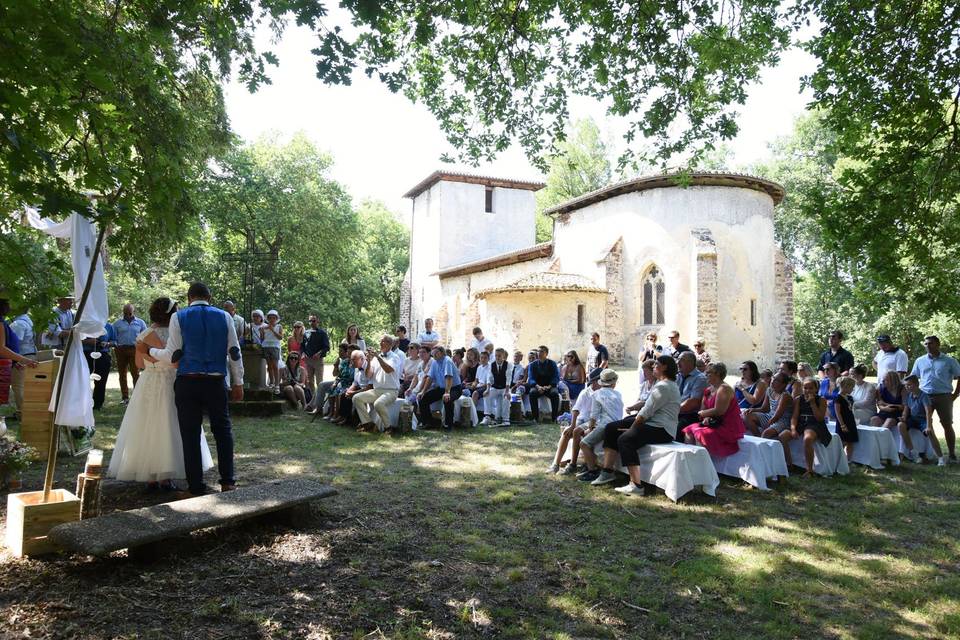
(148, 447)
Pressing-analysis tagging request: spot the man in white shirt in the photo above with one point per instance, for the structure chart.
(428, 337)
(576, 431)
(383, 370)
(889, 358)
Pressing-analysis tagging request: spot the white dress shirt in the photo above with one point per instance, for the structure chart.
(175, 343)
(382, 379)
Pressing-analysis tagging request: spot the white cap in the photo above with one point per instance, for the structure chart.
(273, 312)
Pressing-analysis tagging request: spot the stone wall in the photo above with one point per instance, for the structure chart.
(706, 291)
(405, 301)
(613, 320)
(783, 285)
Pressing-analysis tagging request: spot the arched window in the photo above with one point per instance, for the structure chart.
(653, 297)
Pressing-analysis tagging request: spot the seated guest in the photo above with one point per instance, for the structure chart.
(721, 425)
(543, 377)
(457, 355)
(804, 371)
(342, 381)
(772, 417)
(468, 371)
(789, 369)
(766, 376)
(441, 383)
(750, 389)
(843, 406)
(703, 357)
(428, 337)
(864, 395)
(646, 385)
(809, 423)
(416, 386)
(411, 366)
(403, 342)
(889, 401)
(483, 383)
(519, 383)
(383, 373)
(915, 419)
(829, 390)
(605, 408)
(573, 375)
(293, 381)
(360, 384)
(691, 384)
(497, 401)
(575, 431)
(655, 424)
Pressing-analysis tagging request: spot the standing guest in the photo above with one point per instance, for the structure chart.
(773, 417)
(809, 423)
(836, 354)
(574, 374)
(403, 342)
(483, 383)
(428, 337)
(9, 353)
(126, 329)
(293, 382)
(703, 357)
(889, 401)
(353, 337)
(655, 424)
(917, 417)
(606, 408)
(829, 388)
(257, 326)
(598, 357)
(442, 383)
(675, 347)
(846, 422)
(360, 384)
(889, 358)
(720, 428)
(543, 378)
(479, 342)
(750, 388)
(22, 328)
(383, 371)
(650, 349)
(864, 395)
(272, 341)
(297, 338)
(575, 431)
(239, 325)
(690, 383)
(57, 332)
(498, 397)
(97, 353)
(316, 345)
(937, 372)
(204, 343)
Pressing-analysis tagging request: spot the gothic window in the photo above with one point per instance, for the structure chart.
(654, 294)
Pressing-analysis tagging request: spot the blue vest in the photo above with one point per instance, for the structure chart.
(204, 332)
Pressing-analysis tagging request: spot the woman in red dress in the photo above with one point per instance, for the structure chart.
(721, 425)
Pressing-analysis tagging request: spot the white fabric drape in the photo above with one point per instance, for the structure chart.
(76, 403)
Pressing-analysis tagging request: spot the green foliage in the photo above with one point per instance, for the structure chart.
(580, 165)
(34, 271)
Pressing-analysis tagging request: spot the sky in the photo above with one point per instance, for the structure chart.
(383, 144)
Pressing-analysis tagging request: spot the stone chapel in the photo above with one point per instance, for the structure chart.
(694, 252)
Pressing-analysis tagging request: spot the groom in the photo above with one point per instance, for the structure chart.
(203, 342)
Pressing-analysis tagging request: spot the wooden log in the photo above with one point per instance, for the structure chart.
(88, 490)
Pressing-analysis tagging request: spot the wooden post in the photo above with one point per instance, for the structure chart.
(55, 432)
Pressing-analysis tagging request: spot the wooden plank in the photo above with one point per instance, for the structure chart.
(127, 529)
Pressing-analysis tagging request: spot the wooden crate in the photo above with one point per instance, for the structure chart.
(29, 520)
(36, 419)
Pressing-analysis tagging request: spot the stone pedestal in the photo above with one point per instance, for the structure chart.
(254, 368)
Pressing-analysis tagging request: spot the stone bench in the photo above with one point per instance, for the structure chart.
(140, 530)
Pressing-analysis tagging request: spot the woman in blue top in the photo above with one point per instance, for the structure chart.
(890, 394)
(829, 388)
(9, 353)
(751, 390)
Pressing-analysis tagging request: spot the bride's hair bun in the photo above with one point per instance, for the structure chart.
(161, 310)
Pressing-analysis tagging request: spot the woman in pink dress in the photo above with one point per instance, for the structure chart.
(721, 425)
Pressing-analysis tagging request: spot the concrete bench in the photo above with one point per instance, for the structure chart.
(140, 530)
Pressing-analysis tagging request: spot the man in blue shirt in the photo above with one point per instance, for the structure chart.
(97, 353)
(543, 379)
(937, 372)
(445, 382)
(127, 328)
(917, 415)
(691, 383)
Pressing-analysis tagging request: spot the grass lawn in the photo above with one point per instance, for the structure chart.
(465, 536)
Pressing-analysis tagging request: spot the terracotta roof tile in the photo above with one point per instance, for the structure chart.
(547, 281)
(456, 176)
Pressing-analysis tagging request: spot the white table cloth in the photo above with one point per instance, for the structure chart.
(876, 445)
(678, 469)
(457, 404)
(920, 444)
(827, 461)
(757, 460)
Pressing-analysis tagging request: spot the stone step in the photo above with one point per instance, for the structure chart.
(257, 408)
(260, 395)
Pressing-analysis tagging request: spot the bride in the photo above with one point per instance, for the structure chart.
(148, 447)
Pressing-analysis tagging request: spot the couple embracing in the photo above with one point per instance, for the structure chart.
(189, 359)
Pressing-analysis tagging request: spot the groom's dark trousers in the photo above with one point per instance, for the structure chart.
(195, 394)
